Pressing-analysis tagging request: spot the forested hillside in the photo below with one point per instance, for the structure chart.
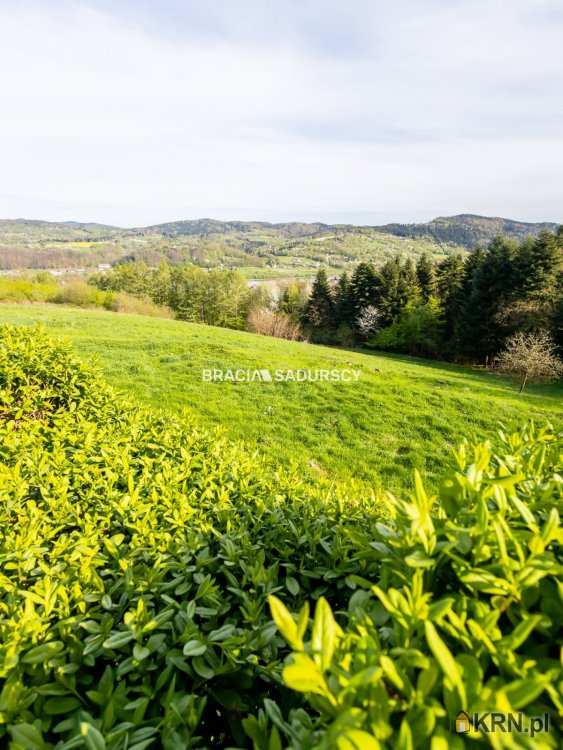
(259, 249)
(470, 230)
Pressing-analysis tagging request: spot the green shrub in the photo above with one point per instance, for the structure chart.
(417, 330)
(77, 292)
(26, 290)
(39, 377)
(464, 614)
(127, 303)
(136, 557)
(81, 294)
(138, 554)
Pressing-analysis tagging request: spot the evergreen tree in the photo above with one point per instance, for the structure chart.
(364, 288)
(454, 284)
(490, 286)
(539, 266)
(392, 291)
(318, 314)
(409, 287)
(537, 286)
(426, 277)
(344, 302)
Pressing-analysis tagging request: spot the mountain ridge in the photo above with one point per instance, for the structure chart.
(466, 229)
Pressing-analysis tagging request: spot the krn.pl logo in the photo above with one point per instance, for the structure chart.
(462, 722)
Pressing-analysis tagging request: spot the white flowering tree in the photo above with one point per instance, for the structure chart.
(368, 320)
(530, 357)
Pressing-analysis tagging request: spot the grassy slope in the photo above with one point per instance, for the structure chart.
(402, 413)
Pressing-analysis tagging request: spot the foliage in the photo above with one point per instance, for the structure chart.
(508, 288)
(367, 321)
(43, 287)
(81, 294)
(220, 298)
(464, 614)
(138, 553)
(416, 331)
(344, 300)
(426, 277)
(319, 312)
(501, 281)
(530, 357)
(292, 299)
(363, 290)
(127, 303)
(22, 289)
(39, 377)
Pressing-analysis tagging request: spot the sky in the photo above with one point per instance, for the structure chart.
(134, 112)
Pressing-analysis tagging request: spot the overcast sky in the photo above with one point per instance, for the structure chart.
(141, 111)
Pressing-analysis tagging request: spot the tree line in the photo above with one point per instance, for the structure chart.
(460, 308)
(215, 297)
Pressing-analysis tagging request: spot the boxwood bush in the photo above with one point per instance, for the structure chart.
(138, 554)
(465, 614)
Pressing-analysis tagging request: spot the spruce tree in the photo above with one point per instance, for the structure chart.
(426, 277)
(454, 284)
(392, 291)
(364, 288)
(486, 292)
(318, 314)
(408, 284)
(539, 266)
(344, 302)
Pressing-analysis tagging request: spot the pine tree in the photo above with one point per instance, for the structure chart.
(426, 277)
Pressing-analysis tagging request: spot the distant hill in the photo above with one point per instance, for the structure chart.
(54, 225)
(469, 230)
(258, 249)
(213, 226)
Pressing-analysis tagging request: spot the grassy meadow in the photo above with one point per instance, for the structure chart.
(401, 414)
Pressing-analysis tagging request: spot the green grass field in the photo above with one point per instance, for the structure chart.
(401, 414)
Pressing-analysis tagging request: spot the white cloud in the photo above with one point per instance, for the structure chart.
(400, 111)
